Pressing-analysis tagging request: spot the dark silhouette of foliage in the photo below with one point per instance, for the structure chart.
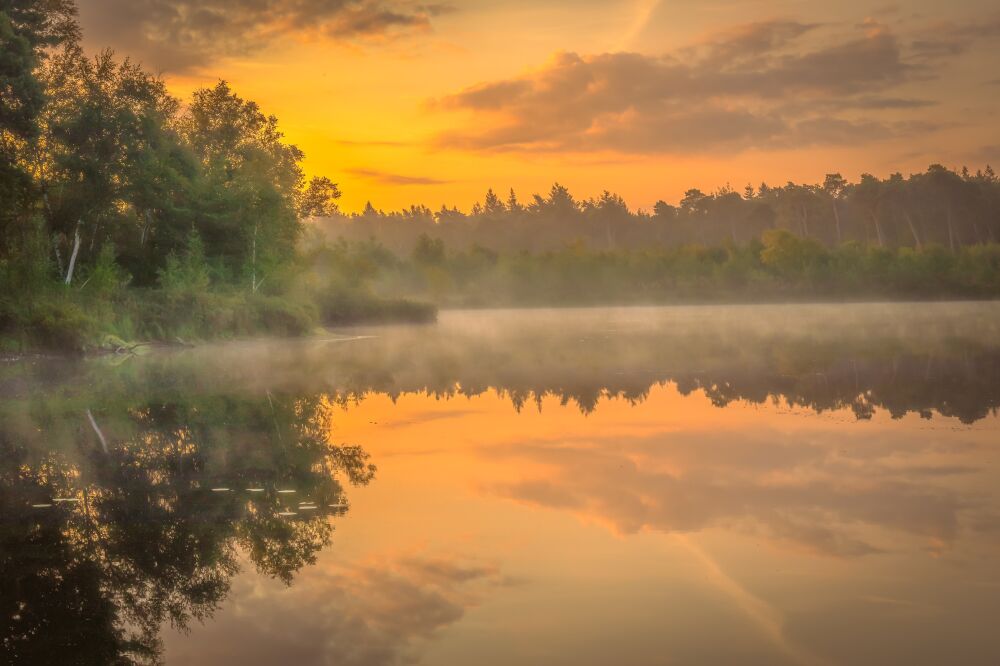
(939, 206)
(98, 549)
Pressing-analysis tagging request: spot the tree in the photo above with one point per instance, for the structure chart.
(492, 204)
(108, 151)
(28, 29)
(834, 187)
(868, 195)
(319, 198)
(253, 181)
(513, 205)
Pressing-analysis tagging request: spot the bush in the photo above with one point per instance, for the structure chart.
(60, 325)
(344, 305)
(281, 316)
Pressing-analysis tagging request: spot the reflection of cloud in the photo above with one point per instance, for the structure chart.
(763, 615)
(752, 86)
(386, 178)
(367, 615)
(177, 35)
(808, 492)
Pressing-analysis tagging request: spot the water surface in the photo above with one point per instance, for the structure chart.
(754, 485)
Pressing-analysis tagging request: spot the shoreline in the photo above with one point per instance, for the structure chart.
(139, 348)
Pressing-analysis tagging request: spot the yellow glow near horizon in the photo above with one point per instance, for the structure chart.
(365, 111)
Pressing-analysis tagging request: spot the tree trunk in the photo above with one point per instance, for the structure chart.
(253, 261)
(76, 251)
(59, 261)
(951, 232)
(836, 220)
(913, 229)
(878, 230)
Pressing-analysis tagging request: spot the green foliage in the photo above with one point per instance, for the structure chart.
(59, 324)
(790, 256)
(339, 304)
(106, 278)
(428, 251)
(188, 273)
(780, 267)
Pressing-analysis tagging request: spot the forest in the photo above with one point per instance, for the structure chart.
(931, 235)
(938, 207)
(127, 214)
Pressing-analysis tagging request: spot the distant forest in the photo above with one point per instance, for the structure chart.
(940, 206)
(929, 235)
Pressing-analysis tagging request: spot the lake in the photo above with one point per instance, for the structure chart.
(793, 484)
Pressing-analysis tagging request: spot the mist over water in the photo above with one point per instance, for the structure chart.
(703, 484)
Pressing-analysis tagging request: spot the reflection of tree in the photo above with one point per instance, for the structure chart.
(962, 382)
(942, 359)
(144, 534)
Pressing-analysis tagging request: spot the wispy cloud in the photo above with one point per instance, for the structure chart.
(386, 178)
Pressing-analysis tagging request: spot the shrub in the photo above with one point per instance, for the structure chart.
(60, 325)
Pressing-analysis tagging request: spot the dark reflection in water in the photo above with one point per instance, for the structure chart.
(132, 489)
(101, 542)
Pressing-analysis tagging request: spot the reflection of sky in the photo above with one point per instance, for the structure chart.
(669, 531)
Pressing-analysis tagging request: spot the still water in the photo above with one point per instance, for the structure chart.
(694, 485)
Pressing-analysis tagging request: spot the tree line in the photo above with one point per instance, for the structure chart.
(940, 206)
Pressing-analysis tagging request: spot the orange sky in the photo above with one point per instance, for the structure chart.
(404, 102)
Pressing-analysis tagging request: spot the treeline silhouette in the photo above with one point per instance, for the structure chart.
(940, 206)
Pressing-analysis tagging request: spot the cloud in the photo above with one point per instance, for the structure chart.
(177, 35)
(947, 38)
(368, 614)
(752, 86)
(370, 143)
(386, 178)
(809, 491)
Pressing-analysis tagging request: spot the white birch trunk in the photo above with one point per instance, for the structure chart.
(76, 252)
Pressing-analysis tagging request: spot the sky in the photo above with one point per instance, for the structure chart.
(424, 102)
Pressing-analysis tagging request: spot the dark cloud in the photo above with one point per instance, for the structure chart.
(175, 35)
(386, 178)
(946, 38)
(753, 86)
